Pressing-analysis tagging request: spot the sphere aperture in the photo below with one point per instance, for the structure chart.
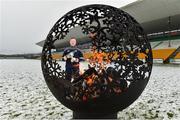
(118, 59)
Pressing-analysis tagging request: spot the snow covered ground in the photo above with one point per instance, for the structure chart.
(24, 94)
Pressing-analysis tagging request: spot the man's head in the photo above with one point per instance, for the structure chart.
(73, 42)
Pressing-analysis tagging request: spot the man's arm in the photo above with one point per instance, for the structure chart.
(64, 58)
(78, 56)
(81, 57)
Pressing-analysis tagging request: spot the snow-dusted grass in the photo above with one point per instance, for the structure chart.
(24, 94)
(160, 99)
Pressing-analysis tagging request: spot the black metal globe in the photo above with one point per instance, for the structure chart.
(119, 66)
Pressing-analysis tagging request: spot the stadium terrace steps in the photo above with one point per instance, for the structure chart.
(172, 55)
(172, 44)
(157, 44)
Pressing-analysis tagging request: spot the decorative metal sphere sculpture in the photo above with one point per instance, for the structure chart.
(119, 64)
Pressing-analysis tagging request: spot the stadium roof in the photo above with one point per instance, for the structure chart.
(153, 15)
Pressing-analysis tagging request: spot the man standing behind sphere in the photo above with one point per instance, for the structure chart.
(72, 56)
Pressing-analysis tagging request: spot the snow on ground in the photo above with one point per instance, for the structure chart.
(24, 94)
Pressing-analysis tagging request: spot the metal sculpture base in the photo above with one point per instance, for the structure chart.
(77, 115)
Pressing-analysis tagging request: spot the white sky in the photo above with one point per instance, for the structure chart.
(26, 22)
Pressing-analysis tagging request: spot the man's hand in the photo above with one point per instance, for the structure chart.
(65, 58)
(74, 59)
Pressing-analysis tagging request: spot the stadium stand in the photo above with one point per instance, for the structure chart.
(165, 51)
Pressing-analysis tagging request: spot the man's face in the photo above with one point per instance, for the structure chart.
(73, 42)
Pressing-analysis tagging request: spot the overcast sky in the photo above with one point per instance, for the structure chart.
(26, 22)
